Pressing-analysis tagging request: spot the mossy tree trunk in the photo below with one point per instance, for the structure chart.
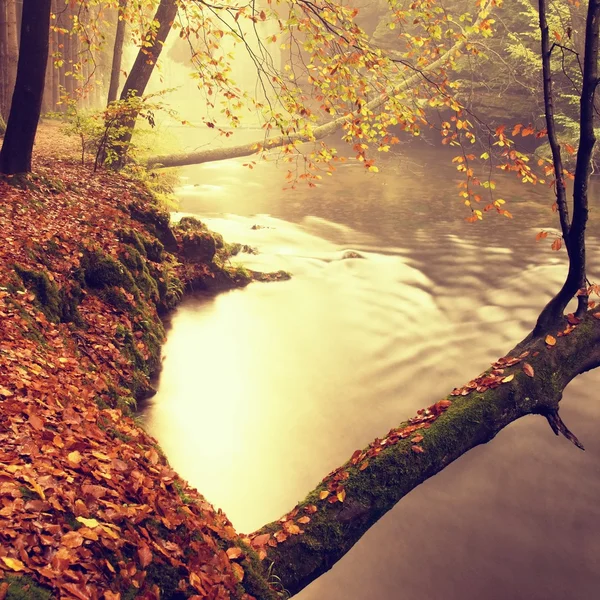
(394, 468)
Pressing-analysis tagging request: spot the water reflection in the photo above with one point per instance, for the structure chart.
(265, 390)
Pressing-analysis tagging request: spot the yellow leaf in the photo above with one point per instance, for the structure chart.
(373, 169)
(341, 495)
(91, 523)
(74, 457)
(13, 563)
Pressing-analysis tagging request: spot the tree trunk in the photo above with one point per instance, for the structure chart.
(9, 49)
(574, 232)
(115, 70)
(21, 127)
(53, 48)
(140, 73)
(310, 539)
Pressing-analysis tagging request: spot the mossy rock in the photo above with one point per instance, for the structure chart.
(157, 221)
(198, 246)
(137, 265)
(150, 248)
(102, 271)
(57, 305)
(190, 224)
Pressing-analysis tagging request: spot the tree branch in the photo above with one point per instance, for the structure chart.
(310, 539)
(320, 132)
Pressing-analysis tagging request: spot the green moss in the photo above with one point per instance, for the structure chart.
(256, 581)
(45, 290)
(190, 224)
(167, 579)
(102, 271)
(136, 263)
(181, 493)
(169, 285)
(24, 588)
(117, 298)
(133, 238)
(27, 493)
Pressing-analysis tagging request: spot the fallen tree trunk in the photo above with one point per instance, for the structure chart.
(320, 132)
(310, 539)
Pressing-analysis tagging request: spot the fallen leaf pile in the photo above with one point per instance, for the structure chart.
(89, 508)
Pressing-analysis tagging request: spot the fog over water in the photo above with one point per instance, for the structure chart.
(266, 389)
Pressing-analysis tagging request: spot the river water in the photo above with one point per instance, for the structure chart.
(265, 390)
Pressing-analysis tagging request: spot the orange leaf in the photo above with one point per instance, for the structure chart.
(145, 555)
(323, 495)
(233, 553)
(417, 439)
(310, 509)
(557, 244)
(72, 539)
(365, 464)
(541, 235)
(291, 528)
(304, 520)
(261, 540)
(238, 571)
(573, 320)
(417, 449)
(528, 369)
(596, 315)
(550, 340)
(281, 536)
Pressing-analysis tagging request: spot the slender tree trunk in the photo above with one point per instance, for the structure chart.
(574, 232)
(8, 54)
(115, 70)
(140, 73)
(53, 49)
(15, 156)
(3, 62)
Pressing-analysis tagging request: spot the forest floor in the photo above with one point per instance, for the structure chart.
(89, 507)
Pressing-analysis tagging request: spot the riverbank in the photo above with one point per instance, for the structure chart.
(89, 507)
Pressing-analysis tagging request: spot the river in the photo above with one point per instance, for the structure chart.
(265, 390)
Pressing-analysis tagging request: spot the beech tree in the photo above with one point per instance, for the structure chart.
(8, 54)
(15, 156)
(115, 70)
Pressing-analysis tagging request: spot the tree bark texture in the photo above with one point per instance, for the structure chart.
(140, 73)
(15, 156)
(115, 70)
(391, 467)
(573, 232)
(9, 49)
